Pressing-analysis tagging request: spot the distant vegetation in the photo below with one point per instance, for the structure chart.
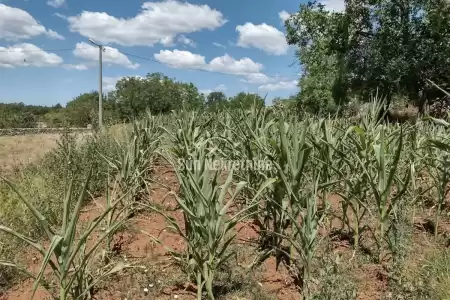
(132, 97)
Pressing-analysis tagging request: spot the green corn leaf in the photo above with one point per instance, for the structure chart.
(56, 241)
(41, 219)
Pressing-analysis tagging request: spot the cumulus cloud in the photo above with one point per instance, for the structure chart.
(257, 78)
(263, 37)
(158, 22)
(284, 15)
(222, 64)
(56, 3)
(180, 59)
(17, 24)
(27, 55)
(281, 85)
(78, 67)
(334, 5)
(110, 55)
(227, 64)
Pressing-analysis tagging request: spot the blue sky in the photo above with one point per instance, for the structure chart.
(45, 56)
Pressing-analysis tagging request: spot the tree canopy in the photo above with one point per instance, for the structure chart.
(392, 47)
(156, 93)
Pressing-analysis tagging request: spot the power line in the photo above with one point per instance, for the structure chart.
(190, 68)
(138, 57)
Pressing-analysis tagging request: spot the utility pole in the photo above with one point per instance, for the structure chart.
(100, 83)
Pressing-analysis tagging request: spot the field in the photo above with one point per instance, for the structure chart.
(16, 151)
(305, 209)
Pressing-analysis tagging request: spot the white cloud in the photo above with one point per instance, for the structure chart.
(17, 24)
(186, 41)
(180, 59)
(54, 35)
(158, 22)
(79, 67)
(264, 37)
(110, 55)
(227, 64)
(257, 78)
(334, 5)
(56, 3)
(281, 85)
(284, 15)
(27, 55)
(219, 45)
(222, 64)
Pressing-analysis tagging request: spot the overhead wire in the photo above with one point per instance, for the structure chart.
(139, 57)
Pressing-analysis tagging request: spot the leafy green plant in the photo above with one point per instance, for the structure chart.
(134, 159)
(305, 239)
(285, 198)
(208, 230)
(68, 256)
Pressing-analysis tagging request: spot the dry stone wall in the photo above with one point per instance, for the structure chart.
(24, 131)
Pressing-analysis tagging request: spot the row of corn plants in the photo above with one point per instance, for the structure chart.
(70, 266)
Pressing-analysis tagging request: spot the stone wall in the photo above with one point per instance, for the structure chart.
(24, 131)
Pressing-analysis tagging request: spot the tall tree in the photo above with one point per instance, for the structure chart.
(390, 46)
(216, 100)
(245, 100)
(156, 93)
(83, 110)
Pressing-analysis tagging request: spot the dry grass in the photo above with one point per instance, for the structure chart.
(18, 151)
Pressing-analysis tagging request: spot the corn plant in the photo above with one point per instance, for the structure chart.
(285, 199)
(134, 158)
(356, 155)
(189, 132)
(383, 177)
(327, 141)
(116, 215)
(208, 230)
(67, 255)
(305, 238)
(439, 170)
(254, 132)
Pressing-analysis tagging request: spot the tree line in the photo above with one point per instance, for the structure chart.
(132, 97)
